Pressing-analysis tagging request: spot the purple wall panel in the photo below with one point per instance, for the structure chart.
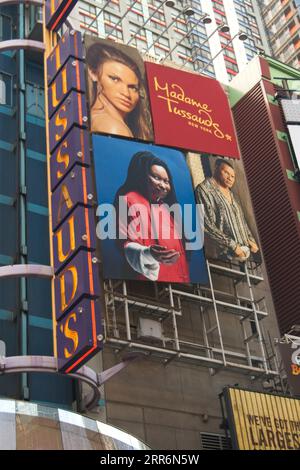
(79, 279)
(77, 333)
(72, 112)
(74, 228)
(74, 190)
(70, 77)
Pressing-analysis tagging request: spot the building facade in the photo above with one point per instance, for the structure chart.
(282, 22)
(171, 35)
(26, 319)
(271, 163)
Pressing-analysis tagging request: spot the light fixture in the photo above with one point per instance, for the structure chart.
(207, 19)
(242, 36)
(224, 28)
(170, 3)
(97, 16)
(189, 11)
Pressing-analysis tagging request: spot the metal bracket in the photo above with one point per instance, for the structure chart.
(26, 270)
(39, 3)
(48, 364)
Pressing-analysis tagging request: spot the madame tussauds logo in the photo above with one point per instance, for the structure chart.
(295, 366)
(174, 95)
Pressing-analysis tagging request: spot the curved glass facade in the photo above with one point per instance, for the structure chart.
(28, 426)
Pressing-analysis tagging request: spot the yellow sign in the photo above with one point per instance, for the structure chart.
(262, 421)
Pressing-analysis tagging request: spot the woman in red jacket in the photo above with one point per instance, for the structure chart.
(149, 236)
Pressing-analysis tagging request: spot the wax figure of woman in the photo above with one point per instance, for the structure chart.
(151, 240)
(117, 101)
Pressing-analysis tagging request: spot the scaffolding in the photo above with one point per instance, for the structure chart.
(217, 328)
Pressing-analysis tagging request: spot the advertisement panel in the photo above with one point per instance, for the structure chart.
(261, 421)
(190, 111)
(230, 231)
(148, 221)
(290, 354)
(291, 111)
(76, 288)
(118, 95)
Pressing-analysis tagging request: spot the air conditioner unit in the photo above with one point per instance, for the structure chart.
(149, 329)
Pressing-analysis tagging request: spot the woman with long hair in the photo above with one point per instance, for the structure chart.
(150, 238)
(117, 101)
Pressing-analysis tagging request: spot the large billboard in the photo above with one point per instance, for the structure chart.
(118, 97)
(190, 112)
(148, 221)
(261, 421)
(76, 286)
(230, 231)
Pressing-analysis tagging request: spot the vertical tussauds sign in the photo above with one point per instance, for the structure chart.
(76, 285)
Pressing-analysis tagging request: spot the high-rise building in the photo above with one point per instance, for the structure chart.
(25, 304)
(219, 44)
(282, 22)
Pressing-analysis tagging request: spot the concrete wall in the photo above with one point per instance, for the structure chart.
(168, 406)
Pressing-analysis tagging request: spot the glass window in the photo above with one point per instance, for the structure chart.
(31, 426)
(5, 27)
(35, 103)
(8, 425)
(37, 433)
(134, 16)
(6, 89)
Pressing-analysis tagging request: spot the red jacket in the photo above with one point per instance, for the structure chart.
(163, 232)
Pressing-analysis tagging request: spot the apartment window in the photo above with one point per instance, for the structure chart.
(155, 3)
(136, 5)
(231, 66)
(88, 8)
(229, 53)
(35, 101)
(6, 86)
(201, 53)
(180, 25)
(115, 5)
(112, 33)
(111, 30)
(202, 67)
(220, 17)
(139, 41)
(161, 41)
(136, 17)
(88, 20)
(183, 51)
(5, 27)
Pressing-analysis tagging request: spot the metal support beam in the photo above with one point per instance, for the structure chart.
(19, 44)
(21, 204)
(26, 270)
(48, 365)
(38, 3)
